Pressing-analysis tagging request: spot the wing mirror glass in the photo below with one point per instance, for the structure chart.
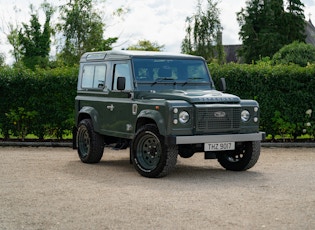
(121, 83)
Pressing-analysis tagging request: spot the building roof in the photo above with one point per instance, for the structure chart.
(231, 53)
(310, 33)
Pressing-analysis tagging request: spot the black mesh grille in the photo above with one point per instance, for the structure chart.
(217, 119)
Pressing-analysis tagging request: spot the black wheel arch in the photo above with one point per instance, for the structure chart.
(142, 121)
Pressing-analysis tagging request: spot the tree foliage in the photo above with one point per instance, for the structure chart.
(2, 59)
(295, 53)
(34, 41)
(295, 21)
(83, 29)
(146, 45)
(13, 38)
(80, 29)
(267, 25)
(202, 32)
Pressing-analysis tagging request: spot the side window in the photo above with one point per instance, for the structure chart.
(99, 76)
(87, 76)
(93, 76)
(122, 70)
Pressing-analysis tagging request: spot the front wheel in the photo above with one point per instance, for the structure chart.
(242, 158)
(90, 143)
(149, 155)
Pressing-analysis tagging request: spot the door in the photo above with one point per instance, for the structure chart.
(119, 113)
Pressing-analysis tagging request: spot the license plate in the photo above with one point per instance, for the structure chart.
(220, 146)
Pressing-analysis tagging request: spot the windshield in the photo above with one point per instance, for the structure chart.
(157, 73)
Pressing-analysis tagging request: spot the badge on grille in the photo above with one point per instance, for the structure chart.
(219, 114)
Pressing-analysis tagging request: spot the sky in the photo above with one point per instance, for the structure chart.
(160, 21)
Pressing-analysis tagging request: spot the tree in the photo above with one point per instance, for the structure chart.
(295, 21)
(266, 26)
(260, 29)
(35, 42)
(271, 36)
(2, 59)
(295, 53)
(202, 32)
(146, 45)
(107, 44)
(13, 38)
(83, 29)
(250, 21)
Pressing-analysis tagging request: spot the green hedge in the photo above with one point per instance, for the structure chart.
(286, 94)
(39, 103)
(42, 102)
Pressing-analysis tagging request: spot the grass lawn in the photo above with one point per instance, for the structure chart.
(31, 137)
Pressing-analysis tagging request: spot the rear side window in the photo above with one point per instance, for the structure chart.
(93, 76)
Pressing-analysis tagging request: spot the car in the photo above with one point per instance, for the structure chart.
(161, 105)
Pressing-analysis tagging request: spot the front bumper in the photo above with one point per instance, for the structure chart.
(220, 138)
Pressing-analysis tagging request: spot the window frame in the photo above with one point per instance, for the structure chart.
(92, 86)
(129, 79)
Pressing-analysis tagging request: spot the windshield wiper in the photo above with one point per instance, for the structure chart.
(192, 78)
(163, 79)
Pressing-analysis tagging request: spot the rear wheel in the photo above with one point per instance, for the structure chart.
(242, 158)
(90, 143)
(149, 155)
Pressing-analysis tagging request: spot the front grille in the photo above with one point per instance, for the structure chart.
(211, 119)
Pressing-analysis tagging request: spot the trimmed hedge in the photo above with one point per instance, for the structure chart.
(39, 103)
(42, 102)
(286, 94)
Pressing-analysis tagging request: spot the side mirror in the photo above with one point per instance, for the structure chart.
(121, 83)
(222, 85)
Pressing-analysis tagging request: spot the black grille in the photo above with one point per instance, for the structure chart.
(217, 119)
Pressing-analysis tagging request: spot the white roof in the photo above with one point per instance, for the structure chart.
(127, 54)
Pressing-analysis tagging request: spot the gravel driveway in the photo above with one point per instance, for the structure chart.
(49, 188)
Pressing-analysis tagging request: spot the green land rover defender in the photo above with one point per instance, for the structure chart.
(161, 105)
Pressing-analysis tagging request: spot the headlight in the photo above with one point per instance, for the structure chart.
(245, 115)
(183, 117)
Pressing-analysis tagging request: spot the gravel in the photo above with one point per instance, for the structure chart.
(49, 188)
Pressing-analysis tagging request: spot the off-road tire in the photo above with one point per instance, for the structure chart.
(242, 158)
(90, 144)
(149, 154)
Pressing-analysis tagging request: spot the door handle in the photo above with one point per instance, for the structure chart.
(110, 107)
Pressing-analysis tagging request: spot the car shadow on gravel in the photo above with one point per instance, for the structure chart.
(105, 165)
(184, 172)
(121, 170)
